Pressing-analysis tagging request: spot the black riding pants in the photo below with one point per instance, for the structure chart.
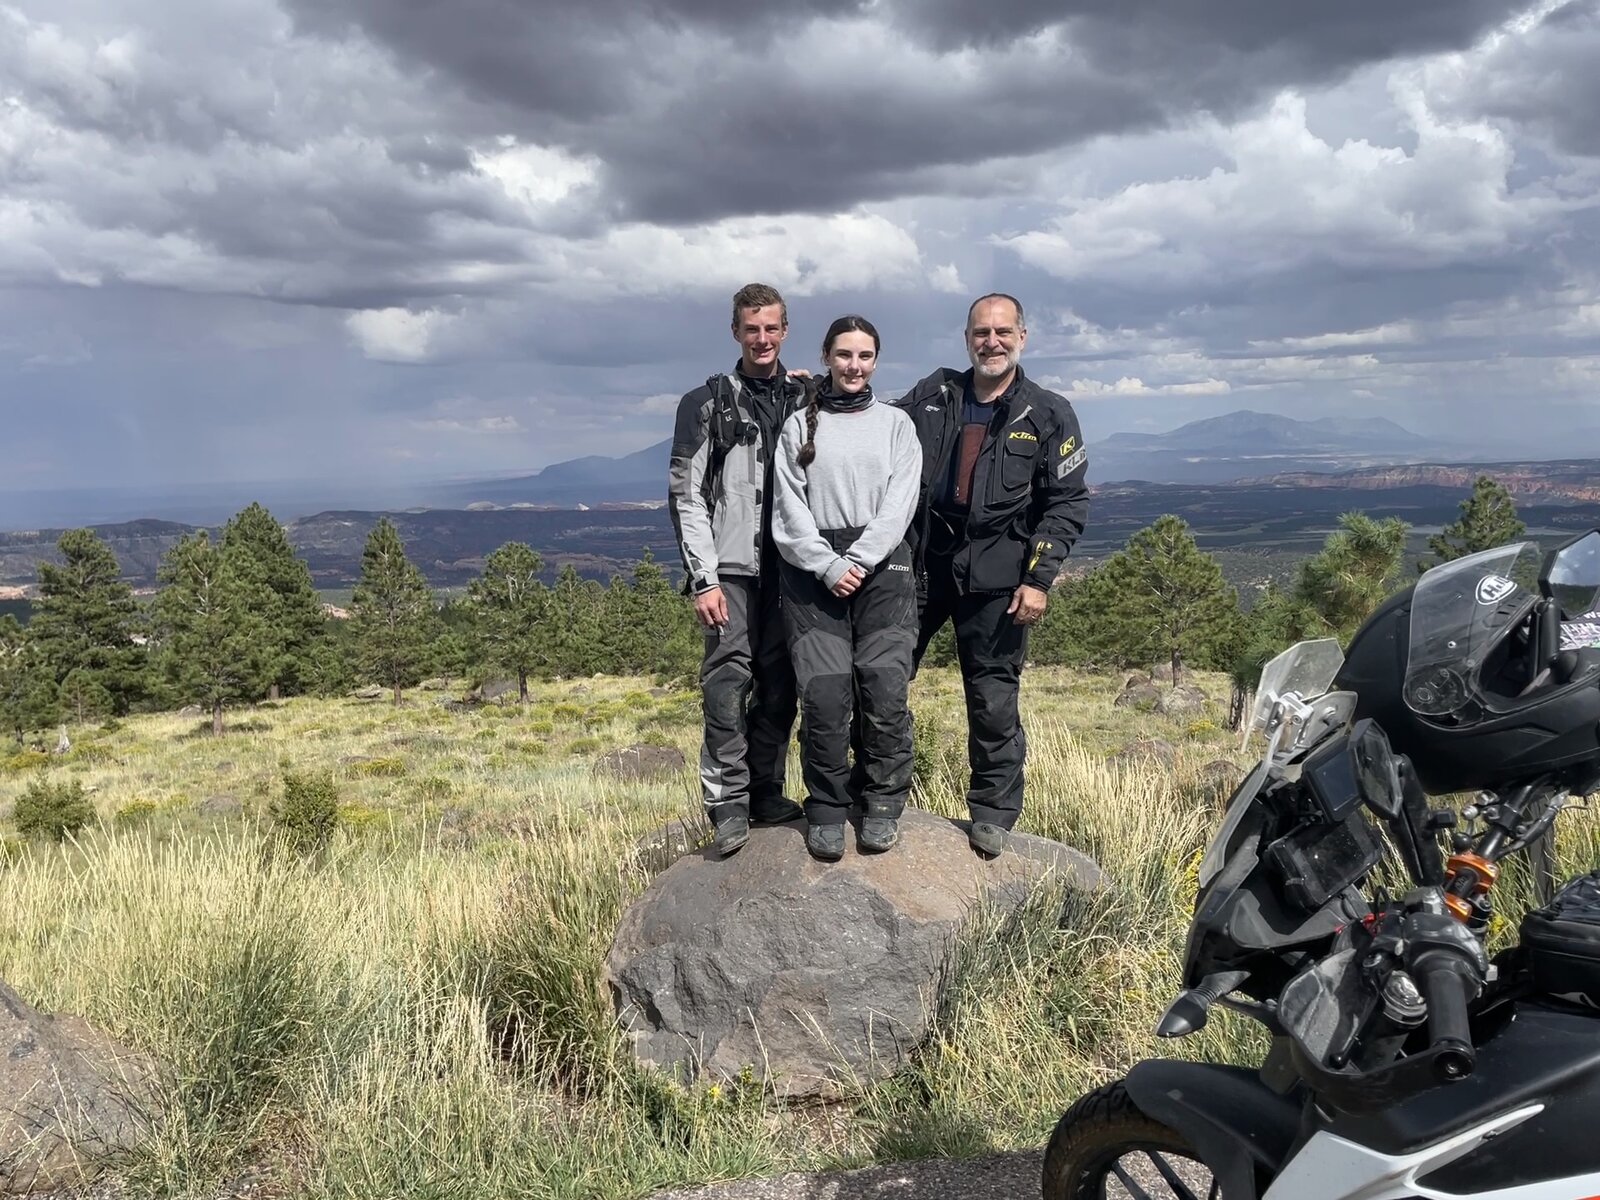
(849, 651)
(747, 693)
(990, 647)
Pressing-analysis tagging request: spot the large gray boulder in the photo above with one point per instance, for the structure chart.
(1185, 700)
(817, 976)
(69, 1096)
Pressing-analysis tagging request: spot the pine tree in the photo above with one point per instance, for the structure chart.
(679, 644)
(655, 631)
(393, 612)
(281, 582)
(1334, 592)
(84, 697)
(1488, 519)
(216, 645)
(1276, 621)
(1055, 641)
(512, 606)
(456, 648)
(1358, 566)
(577, 629)
(1163, 600)
(85, 621)
(335, 659)
(29, 697)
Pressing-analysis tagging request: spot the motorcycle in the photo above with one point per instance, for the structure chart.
(1403, 1062)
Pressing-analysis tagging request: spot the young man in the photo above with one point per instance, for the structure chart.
(719, 492)
(1003, 500)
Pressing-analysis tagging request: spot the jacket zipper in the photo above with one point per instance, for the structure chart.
(786, 399)
(941, 473)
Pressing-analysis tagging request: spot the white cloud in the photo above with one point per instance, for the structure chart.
(946, 279)
(534, 176)
(474, 425)
(1130, 385)
(1289, 198)
(399, 335)
(800, 254)
(1397, 333)
(661, 403)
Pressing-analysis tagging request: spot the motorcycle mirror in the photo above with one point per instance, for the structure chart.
(1377, 771)
(1571, 575)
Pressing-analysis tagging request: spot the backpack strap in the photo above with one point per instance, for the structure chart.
(725, 418)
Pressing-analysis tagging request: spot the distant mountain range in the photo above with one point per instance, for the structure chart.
(1239, 445)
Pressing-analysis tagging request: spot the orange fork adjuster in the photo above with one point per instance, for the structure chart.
(1460, 910)
(1485, 873)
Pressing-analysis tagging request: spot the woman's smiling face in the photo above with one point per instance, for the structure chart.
(851, 360)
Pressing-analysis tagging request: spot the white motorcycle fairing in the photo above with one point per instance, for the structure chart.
(1334, 1168)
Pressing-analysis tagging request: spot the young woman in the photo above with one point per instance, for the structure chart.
(845, 484)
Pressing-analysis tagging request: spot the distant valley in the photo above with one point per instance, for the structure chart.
(601, 514)
(1255, 528)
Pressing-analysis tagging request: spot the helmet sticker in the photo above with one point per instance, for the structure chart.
(1494, 588)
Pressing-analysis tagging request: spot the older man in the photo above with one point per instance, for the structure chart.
(1003, 500)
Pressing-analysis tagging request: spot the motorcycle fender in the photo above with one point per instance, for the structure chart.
(1235, 1122)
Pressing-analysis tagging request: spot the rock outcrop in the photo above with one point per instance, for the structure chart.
(68, 1097)
(815, 975)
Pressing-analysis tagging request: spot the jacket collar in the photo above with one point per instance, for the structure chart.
(780, 377)
(1004, 399)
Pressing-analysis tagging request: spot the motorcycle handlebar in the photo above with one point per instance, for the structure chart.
(1443, 977)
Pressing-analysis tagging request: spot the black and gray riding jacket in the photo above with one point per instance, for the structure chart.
(716, 482)
(1029, 498)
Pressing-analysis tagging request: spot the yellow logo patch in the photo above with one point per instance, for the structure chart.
(1068, 446)
(1022, 435)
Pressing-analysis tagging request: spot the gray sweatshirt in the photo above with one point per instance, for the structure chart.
(866, 473)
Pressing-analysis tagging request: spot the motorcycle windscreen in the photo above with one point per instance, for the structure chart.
(1306, 668)
(1459, 613)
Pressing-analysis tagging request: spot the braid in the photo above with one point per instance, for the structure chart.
(808, 452)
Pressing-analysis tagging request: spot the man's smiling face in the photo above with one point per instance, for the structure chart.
(760, 333)
(995, 337)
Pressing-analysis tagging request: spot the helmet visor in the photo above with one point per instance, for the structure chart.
(1459, 613)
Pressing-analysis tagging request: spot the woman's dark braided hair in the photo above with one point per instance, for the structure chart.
(846, 324)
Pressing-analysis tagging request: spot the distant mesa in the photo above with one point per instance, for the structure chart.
(640, 477)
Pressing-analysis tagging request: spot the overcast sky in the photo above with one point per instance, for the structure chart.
(371, 239)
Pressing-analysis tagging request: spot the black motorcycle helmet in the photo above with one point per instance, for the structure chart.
(1488, 723)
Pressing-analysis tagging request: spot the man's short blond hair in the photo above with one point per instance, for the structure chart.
(757, 295)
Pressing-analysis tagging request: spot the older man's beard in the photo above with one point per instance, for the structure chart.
(1012, 358)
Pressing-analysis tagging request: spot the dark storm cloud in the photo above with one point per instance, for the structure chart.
(1320, 37)
(375, 237)
(700, 110)
(576, 61)
(1547, 79)
(805, 148)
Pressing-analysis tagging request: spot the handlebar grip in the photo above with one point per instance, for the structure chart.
(1444, 983)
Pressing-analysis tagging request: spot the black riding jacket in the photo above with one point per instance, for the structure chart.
(1029, 499)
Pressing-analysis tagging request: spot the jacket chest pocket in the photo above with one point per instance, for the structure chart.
(1016, 462)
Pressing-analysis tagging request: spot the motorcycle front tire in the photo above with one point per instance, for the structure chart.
(1104, 1134)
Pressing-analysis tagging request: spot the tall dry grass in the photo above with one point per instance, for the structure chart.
(416, 1011)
